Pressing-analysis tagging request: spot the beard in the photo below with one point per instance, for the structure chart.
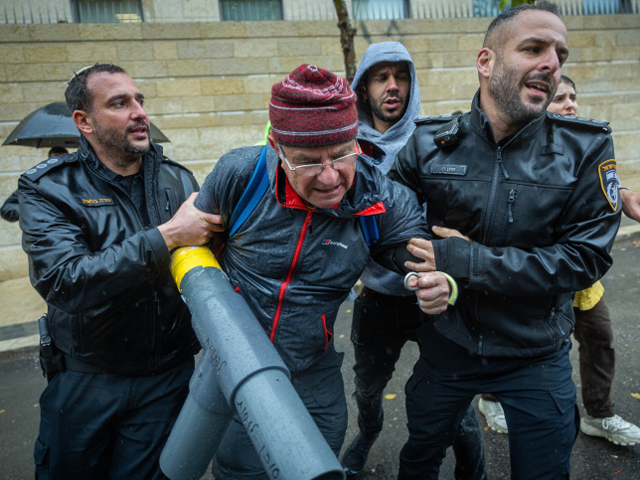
(505, 88)
(376, 109)
(118, 145)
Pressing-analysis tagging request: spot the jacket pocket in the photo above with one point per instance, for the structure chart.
(328, 336)
(564, 398)
(41, 459)
(510, 216)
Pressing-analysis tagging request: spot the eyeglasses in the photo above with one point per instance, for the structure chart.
(316, 169)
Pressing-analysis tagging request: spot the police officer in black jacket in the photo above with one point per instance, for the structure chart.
(528, 207)
(98, 227)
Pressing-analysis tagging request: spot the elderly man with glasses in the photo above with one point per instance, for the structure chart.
(303, 246)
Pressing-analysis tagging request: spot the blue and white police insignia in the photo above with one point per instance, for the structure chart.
(609, 182)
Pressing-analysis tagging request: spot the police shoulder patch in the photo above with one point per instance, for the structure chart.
(48, 165)
(587, 123)
(609, 182)
(438, 119)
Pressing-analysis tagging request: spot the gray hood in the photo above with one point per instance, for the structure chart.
(393, 139)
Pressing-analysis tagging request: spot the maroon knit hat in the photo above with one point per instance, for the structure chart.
(312, 107)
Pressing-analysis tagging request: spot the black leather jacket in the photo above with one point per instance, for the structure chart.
(112, 303)
(9, 210)
(542, 210)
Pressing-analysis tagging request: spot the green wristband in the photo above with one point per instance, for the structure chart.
(454, 288)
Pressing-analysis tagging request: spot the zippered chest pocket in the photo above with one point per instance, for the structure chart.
(456, 203)
(530, 212)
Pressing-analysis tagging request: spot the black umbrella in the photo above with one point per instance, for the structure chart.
(52, 126)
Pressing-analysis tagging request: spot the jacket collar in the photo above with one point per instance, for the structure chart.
(363, 198)
(481, 124)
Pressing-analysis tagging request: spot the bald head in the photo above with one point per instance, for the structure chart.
(501, 27)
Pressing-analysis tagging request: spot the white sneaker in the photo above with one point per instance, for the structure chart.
(494, 414)
(614, 429)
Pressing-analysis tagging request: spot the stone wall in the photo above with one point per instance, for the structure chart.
(207, 84)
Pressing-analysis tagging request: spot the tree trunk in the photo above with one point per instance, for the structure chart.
(347, 32)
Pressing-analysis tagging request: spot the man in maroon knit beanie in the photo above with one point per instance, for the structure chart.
(298, 253)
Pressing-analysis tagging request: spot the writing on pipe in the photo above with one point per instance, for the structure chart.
(240, 372)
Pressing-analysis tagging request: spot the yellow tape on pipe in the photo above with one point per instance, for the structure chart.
(184, 259)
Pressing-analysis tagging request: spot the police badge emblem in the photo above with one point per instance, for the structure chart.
(609, 182)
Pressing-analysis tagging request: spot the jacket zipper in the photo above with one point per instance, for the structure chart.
(285, 284)
(512, 201)
(154, 321)
(156, 303)
(155, 308)
(499, 166)
(152, 196)
(327, 334)
(494, 189)
(480, 326)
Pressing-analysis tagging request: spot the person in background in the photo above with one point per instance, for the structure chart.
(385, 314)
(56, 152)
(565, 103)
(594, 334)
(10, 210)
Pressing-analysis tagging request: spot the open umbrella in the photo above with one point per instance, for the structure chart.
(52, 126)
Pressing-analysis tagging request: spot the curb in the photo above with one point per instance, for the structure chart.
(626, 234)
(20, 353)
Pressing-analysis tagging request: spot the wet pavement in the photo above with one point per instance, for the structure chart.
(593, 458)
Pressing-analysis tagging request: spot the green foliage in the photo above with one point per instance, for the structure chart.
(514, 3)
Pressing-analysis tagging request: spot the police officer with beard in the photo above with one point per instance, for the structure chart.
(528, 208)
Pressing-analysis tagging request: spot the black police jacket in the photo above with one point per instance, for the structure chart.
(542, 211)
(112, 303)
(9, 210)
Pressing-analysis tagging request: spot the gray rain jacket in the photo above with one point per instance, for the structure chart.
(383, 147)
(295, 266)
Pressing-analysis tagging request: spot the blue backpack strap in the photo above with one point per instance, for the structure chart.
(369, 228)
(253, 193)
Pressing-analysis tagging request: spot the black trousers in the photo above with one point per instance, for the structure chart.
(537, 394)
(101, 425)
(381, 326)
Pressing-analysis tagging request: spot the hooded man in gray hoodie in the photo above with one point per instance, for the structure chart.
(385, 314)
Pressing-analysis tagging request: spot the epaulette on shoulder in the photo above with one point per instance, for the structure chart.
(438, 119)
(173, 162)
(585, 123)
(49, 165)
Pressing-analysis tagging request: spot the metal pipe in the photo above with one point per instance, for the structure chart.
(241, 363)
